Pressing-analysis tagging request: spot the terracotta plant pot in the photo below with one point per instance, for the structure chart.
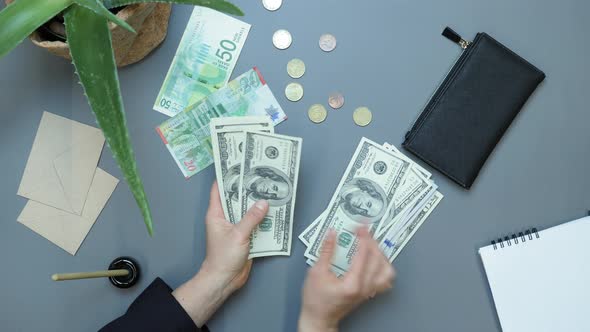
(150, 21)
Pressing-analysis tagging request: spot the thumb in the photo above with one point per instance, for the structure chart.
(252, 218)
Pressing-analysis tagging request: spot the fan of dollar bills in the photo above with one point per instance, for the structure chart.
(232, 125)
(381, 188)
(253, 163)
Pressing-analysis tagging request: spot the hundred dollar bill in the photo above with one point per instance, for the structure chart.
(396, 239)
(364, 195)
(400, 222)
(204, 60)
(270, 171)
(407, 196)
(307, 235)
(227, 136)
(187, 136)
(424, 189)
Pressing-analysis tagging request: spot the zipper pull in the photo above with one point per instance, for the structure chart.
(455, 38)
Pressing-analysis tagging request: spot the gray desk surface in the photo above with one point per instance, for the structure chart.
(390, 57)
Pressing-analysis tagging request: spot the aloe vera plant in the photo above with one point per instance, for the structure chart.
(89, 40)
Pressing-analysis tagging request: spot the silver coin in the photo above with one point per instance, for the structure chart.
(272, 5)
(327, 42)
(336, 100)
(282, 39)
(294, 91)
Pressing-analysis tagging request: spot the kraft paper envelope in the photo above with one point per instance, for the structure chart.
(64, 229)
(62, 163)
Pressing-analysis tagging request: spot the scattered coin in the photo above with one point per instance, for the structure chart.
(327, 42)
(272, 5)
(362, 116)
(282, 39)
(296, 68)
(336, 100)
(317, 113)
(294, 91)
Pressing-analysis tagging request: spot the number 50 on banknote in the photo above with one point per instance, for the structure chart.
(204, 60)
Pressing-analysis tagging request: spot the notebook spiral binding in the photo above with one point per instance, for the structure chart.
(508, 241)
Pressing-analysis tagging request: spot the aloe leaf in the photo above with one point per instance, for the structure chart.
(97, 7)
(20, 18)
(219, 5)
(92, 54)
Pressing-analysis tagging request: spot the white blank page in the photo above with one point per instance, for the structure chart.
(543, 284)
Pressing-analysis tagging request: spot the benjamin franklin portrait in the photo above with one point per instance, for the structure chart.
(231, 182)
(268, 183)
(363, 200)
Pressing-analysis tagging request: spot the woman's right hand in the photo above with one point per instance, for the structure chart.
(328, 299)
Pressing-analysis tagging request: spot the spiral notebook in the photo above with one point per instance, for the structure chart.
(540, 280)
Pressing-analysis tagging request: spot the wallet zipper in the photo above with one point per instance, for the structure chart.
(465, 46)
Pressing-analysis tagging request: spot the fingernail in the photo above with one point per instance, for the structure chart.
(261, 205)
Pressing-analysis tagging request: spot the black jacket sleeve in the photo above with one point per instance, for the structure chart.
(154, 310)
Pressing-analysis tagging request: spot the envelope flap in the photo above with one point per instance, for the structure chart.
(55, 136)
(75, 169)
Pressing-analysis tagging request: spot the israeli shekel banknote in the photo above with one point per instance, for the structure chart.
(227, 136)
(187, 136)
(204, 60)
(270, 171)
(364, 196)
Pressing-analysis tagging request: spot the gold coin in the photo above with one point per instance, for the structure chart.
(336, 100)
(296, 68)
(294, 91)
(362, 116)
(317, 113)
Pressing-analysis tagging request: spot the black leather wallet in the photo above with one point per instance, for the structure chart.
(472, 108)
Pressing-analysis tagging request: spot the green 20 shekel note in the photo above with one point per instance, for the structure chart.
(187, 135)
(204, 60)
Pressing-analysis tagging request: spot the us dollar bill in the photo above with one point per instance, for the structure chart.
(227, 136)
(204, 60)
(307, 235)
(396, 239)
(270, 171)
(364, 195)
(407, 196)
(187, 134)
(421, 182)
(403, 220)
